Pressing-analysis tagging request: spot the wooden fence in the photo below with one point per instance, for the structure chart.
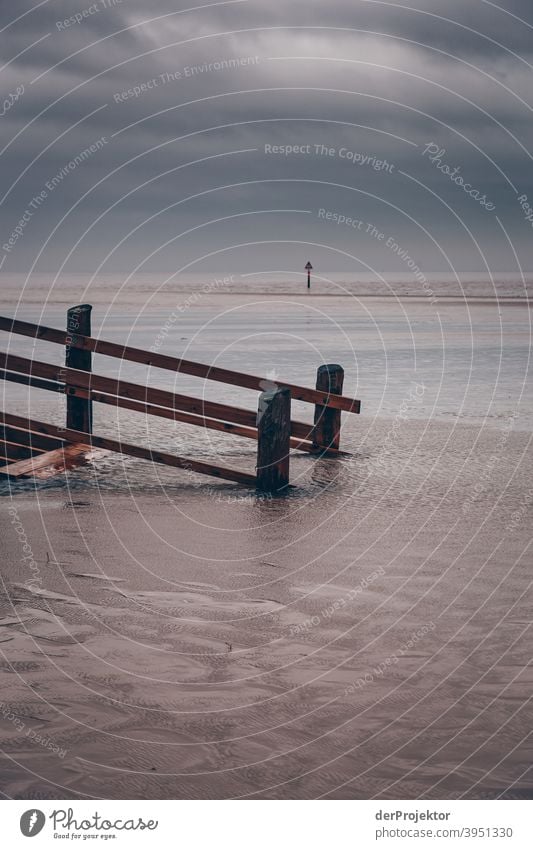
(29, 447)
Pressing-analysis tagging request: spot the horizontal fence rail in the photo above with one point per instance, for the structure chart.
(77, 436)
(124, 389)
(153, 410)
(136, 355)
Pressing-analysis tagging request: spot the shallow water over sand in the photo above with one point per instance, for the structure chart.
(368, 635)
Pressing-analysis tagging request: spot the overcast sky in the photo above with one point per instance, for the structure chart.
(163, 146)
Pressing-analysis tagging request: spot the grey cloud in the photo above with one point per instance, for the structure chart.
(416, 78)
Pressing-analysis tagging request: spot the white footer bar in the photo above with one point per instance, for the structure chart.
(254, 824)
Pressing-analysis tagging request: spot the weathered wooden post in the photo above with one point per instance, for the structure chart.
(327, 428)
(273, 439)
(79, 410)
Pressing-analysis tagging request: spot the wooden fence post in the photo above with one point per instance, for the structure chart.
(79, 410)
(273, 439)
(327, 428)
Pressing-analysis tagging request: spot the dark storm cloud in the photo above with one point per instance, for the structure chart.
(375, 79)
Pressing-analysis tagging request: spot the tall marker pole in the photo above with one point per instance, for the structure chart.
(308, 268)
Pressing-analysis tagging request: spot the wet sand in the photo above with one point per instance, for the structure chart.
(367, 636)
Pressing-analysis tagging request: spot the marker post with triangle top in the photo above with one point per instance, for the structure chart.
(308, 268)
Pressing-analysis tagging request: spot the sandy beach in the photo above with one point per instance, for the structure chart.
(365, 637)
